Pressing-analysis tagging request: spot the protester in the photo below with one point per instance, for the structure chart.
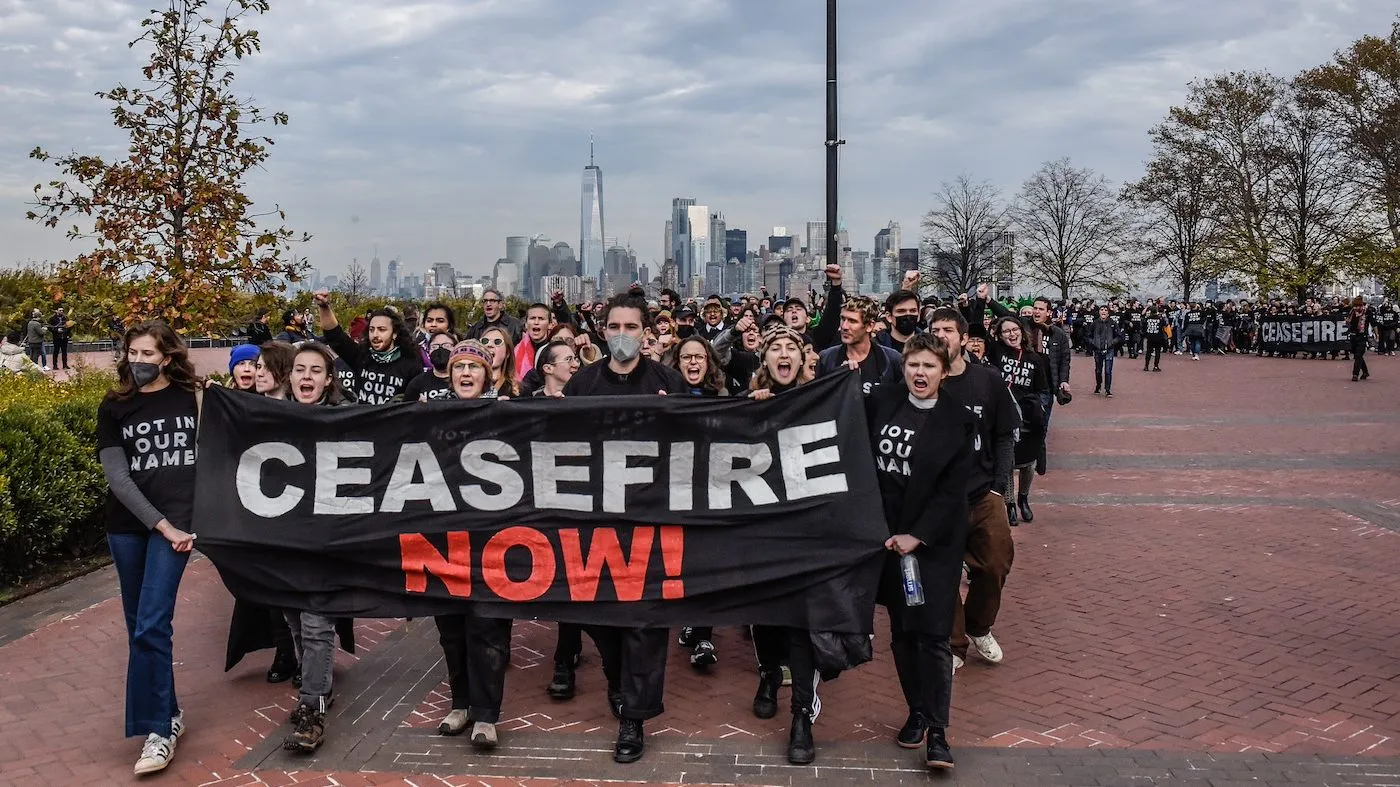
(1358, 329)
(384, 363)
(294, 329)
(923, 440)
(259, 331)
(876, 364)
(243, 367)
(1104, 339)
(493, 316)
(272, 374)
(434, 385)
(638, 654)
(558, 363)
(534, 338)
(497, 341)
(1155, 329)
(698, 363)
(146, 443)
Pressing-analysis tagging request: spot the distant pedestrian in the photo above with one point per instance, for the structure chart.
(61, 330)
(1358, 326)
(34, 339)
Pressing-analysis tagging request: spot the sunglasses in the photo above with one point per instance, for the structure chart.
(495, 341)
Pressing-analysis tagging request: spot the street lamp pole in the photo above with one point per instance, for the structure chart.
(833, 141)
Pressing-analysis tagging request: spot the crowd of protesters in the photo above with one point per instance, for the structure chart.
(961, 392)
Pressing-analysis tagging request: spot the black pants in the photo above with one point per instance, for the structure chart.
(568, 644)
(1358, 354)
(1153, 356)
(477, 652)
(35, 351)
(634, 662)
(770, 646)
(281, 632)
(924, 664)
(1387, 343)
(60, 346)
(802, 663)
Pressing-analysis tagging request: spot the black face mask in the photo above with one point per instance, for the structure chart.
(906, 324)
(685, 331)
(439, 357)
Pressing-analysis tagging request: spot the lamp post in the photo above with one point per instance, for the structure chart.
(833, 141)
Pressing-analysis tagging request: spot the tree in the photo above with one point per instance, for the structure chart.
(1069, 223)
(355, 285)
(1229, 122)
(960, 234)
(1172, 226)
(173, 213)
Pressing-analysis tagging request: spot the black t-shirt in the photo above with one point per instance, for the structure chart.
(436, 388)
(648, 377)
(1152, 328)
(156, 431)
(982, 390)
(894, 444)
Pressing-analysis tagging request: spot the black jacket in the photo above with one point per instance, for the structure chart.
(1055, 345)
(934, 509)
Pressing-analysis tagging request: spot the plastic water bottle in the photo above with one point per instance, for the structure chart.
(913, 586)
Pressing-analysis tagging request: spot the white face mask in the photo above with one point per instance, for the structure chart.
(623, 347)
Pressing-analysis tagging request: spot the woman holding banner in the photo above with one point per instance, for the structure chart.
(313, 382)
(146, 443)
(476, 649)
(783, 360)
(917, 432)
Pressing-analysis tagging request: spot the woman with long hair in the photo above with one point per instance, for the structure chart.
(502, 380)
(1027, 373)
(146, 430)
(922, 440)
(699, 364)
(273, 370)
(476, 649)
(313, 382)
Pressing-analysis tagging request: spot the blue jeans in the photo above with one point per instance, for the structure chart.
(1103, 370)
(1195, 342)
(149, 572)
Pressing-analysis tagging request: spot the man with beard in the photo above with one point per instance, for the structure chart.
(294, 328)
(634, 659)
(384, 363)
(493, 315)
(876, 364)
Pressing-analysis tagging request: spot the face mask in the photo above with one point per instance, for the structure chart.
(685, 331)
(440, 357)
(143, 374)
(906, 324)
(623, 347)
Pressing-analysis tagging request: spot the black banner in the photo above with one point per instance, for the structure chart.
(1303, 334)
(635, 511)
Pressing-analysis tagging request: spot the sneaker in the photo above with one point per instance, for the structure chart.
(704, 655)
(310, 732)
(156, 754)
(177, 724)
(958, 663)
(454, 723)
(1110, 396)
(1195, 357)
(914, 731)
(987, 647)
(484, 735)
(687, 638)
(47, 369)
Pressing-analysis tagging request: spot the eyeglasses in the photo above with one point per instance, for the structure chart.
(688, 357)
(494, 342)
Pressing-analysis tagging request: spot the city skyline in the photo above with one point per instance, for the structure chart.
(433, 135)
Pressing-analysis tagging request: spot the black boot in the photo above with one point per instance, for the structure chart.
(1023, 502)
(765, 700)
(630, 741)
(914, 731)
(615, 702)
(562, 687)
(938, 755)
(801, 749)
(1011, 513)
(284, 667)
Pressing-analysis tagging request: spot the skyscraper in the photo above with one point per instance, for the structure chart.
(376, 279)
(816, 240)
(698, 253)
(391, 284)
(680, 237)
(590, 246)
(736, 245)
(518, 250)
(887, 240)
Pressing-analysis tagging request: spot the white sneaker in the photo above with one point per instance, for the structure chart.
(958, 663)
(156, 754)
(1195, 357)
(454, 723)
(484, 735)
(177, 724)
(987, 647)
(46, 368)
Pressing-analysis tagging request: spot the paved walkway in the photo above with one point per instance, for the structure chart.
(1208, 596)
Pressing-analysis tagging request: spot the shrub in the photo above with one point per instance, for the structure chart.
(51, 485)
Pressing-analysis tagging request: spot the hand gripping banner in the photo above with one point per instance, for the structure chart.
(629, 511)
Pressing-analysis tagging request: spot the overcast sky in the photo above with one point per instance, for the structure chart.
(434, 129)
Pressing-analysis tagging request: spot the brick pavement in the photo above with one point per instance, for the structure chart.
(1205, 597)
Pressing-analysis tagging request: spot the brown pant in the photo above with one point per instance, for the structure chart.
(990, 552)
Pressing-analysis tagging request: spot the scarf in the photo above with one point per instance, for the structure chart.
(388, 356)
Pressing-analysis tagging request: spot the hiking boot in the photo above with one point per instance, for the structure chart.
(914, 731)
(454, 723)
(938, 755)
(562, 687)
(765, 700)
(802, 750)
(704, 655)
(309, 733)
(687, 638)
(987, 647)
(630, 741)
(156, 754)
(484, 736)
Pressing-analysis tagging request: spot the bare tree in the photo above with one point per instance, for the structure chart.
(355, 285)
(960, 234)
(1069, 223)
(1171, 223)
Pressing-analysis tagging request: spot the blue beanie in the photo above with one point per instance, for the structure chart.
(241, 353)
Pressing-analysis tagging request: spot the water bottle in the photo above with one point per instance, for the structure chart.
(913, 586)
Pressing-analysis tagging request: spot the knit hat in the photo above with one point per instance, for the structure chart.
(241, 353)
(471, 351)
(777, 332)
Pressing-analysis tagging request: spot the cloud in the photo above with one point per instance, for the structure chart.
(446, 125)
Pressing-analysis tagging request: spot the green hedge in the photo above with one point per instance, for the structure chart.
(51, 484)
